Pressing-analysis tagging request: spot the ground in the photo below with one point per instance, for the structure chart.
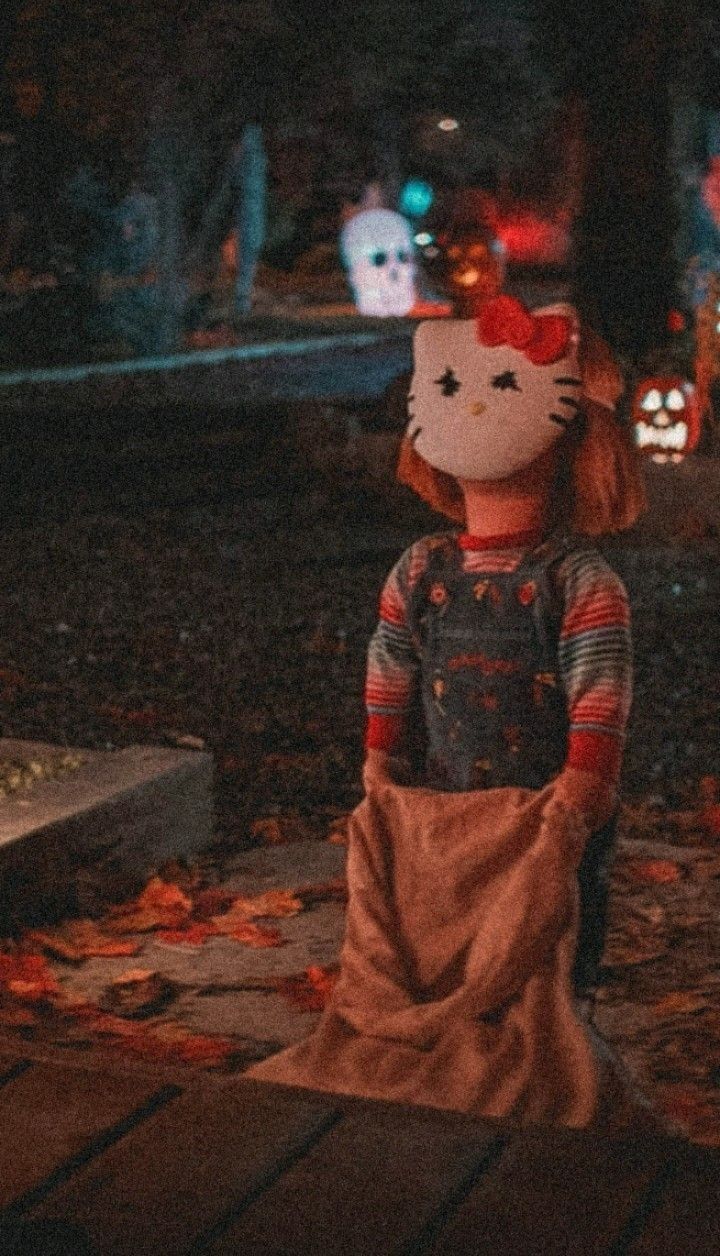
(220, 585)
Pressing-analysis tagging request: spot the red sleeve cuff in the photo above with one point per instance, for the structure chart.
(600, 753)
(384, 732)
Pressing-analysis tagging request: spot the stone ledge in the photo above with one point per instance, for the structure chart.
(75, 842)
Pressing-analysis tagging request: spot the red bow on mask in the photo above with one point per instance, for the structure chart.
(543, 338)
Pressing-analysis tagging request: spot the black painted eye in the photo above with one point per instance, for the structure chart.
(379, 258)
(449, 383)
(402, 256)
(506, 380)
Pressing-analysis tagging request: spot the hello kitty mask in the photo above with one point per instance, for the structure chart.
(490, 395)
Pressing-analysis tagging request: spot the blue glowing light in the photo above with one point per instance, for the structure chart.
(416, 198)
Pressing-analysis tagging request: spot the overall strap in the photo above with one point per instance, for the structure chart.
(539, 567)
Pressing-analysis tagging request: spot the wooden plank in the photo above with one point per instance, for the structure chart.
(686, 1219)
(555, 1193)
(50, 1114)
(188, 1165)
(376, 1183)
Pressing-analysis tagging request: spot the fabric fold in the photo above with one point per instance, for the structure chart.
(455, 980)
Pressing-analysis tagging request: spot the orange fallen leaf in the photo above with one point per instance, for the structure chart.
(160, 905)
(654, 871)
(275, 904)
(164, 896)
(139, 992)
(79, 940)
(203, 1049)
(254, 935)
(310, 990)
(18, 1016)
(153, 1041)
(280, 830)
(338, 833)
(27, 977)
(194, 934)
(102, 1023)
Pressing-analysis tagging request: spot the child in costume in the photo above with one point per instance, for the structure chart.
(512, 635)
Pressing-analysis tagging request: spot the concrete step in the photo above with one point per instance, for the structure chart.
(71, 843)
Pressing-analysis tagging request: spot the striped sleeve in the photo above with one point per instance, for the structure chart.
(393, 664)
(595, 659)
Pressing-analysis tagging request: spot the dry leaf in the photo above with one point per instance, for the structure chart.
(79, 940)
(139, 992)
(280, 830)
(254, 935)
(338, 833)
(274, 904)
(310, 990)
(194, 934)
(193, 1048)
(27, 977)
(187, 876)
(18, 1016)
(161, 905)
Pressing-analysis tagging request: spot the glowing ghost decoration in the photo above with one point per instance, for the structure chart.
(666, 417)
(378, 250)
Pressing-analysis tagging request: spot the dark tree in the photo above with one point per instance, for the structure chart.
(622, 62)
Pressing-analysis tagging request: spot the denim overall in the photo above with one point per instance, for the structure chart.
(494, 709)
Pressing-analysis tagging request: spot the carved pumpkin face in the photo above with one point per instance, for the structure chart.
(666, 417)
(471, 265)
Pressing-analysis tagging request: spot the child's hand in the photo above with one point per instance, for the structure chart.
(382, 768)
(595, 798)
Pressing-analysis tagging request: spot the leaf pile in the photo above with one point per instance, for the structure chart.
(34, 1000)
(660, 1001)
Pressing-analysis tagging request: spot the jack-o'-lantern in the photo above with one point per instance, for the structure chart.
(666, 417)
(469, 263)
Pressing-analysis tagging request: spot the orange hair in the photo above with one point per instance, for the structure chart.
(599, 486)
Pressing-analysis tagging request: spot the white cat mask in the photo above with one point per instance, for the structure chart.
(490, 395)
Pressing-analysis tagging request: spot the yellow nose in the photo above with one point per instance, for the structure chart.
(478, 407)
